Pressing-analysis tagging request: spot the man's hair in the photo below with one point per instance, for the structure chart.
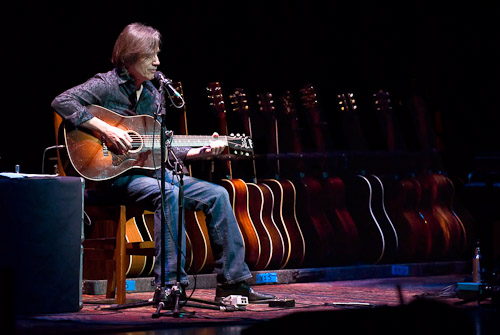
(134, 42)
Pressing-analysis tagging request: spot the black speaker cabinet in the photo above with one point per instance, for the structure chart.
(42, 218)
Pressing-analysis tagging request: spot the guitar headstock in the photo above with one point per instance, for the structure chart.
(177, 85)
(180, 113)
(347, 102)
(266, 104)
(310, 101)
(289, 108)
(216, 98)
(176, 101)
(309, 97)
(382, 101)
(290, 113)
(240, 144)
(239, 101)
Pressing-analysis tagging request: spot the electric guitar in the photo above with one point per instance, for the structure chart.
(91, 158)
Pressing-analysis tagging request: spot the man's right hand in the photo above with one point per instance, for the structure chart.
(116, 138)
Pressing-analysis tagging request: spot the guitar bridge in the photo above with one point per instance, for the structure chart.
(105, 151)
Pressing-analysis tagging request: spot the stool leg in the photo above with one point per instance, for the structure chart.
(121, 255)
(111, 278)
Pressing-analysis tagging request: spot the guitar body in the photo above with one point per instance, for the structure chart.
(261, 210)
(285, 217)
(238, 193)
(141, 229)
(445, 212)
(403, 199)
(463, 215)
(318, 231)
(201, 250)
(91, 158)
(439, 229)
(391, 237)
(359, 195)
(346, 238)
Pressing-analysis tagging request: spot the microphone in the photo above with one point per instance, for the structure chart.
(160, 77)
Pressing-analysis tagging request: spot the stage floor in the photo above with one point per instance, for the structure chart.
(399, 305)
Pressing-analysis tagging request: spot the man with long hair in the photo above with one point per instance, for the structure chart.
(127, 90)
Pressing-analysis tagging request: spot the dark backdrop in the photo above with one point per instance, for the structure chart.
(446, 53)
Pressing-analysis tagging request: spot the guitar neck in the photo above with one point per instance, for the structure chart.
(195, 140)
(239, 145)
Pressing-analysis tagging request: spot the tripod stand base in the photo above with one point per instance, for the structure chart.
(176, 313)
(170, 299)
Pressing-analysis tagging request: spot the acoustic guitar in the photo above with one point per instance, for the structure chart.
(402, 195)
(360, 192)
(238, 191)
(315, 227)
(445, 227)
(92, 158)
(261, 198)
(284, 190)
(345, 237)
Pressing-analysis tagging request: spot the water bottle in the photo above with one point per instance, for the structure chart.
(476, 265)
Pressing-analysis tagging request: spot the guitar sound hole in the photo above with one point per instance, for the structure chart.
(137, 142)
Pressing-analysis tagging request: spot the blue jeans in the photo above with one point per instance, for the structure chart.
(225, 237)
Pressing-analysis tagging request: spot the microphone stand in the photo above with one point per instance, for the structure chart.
(175, 290)
(166, 151)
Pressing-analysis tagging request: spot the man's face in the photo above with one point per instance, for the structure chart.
(145, 68)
